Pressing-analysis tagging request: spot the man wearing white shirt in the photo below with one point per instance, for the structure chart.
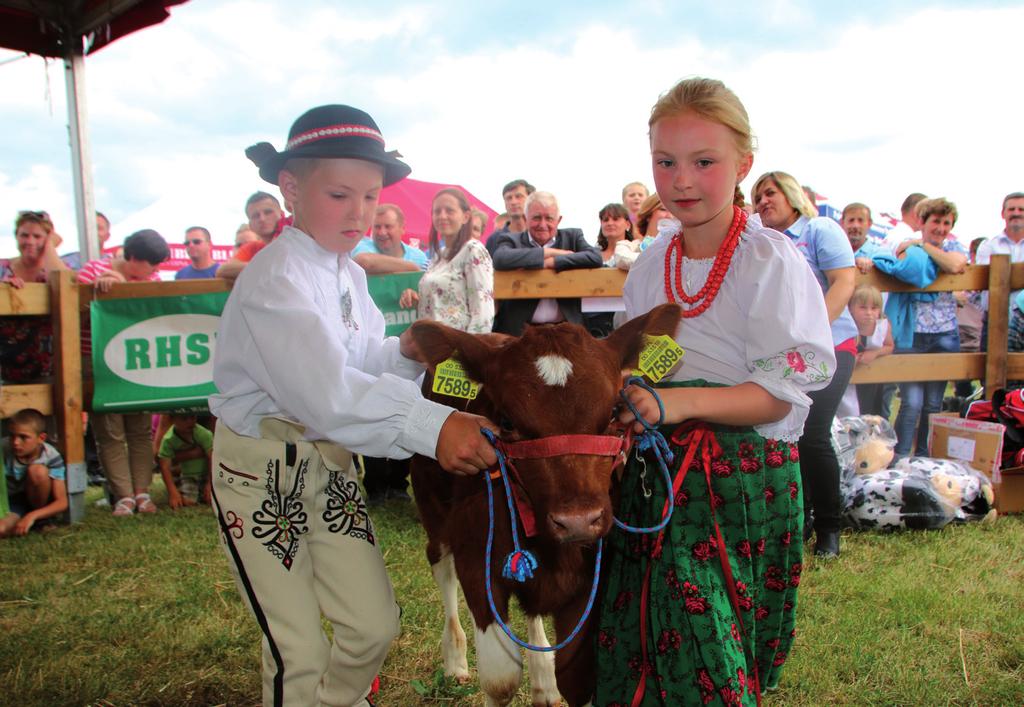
(1009, 242)
(910, 224)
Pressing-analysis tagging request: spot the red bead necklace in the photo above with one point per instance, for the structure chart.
(706, 295)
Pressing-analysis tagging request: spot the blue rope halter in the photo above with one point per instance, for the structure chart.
(520, 564)
(650, 440)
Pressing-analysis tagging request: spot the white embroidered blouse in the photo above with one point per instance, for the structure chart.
(768, 324)
(460, 292)
(300, 338)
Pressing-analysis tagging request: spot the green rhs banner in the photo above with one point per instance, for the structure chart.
(154, 354)
(385, 290)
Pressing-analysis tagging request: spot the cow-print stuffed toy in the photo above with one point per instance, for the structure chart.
(916, 493)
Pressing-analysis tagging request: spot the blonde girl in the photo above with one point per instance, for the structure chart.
(705, 609)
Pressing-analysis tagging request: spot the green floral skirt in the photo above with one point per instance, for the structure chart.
(703, 641)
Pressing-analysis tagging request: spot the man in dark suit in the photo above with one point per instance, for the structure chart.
(542, 245)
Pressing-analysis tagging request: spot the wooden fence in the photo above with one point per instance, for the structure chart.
(993, 368)
(68, 395)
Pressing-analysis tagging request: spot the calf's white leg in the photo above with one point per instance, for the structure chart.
(453, 638)
(543, 688)
(499, 665)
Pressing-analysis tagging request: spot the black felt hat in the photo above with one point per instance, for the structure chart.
(330, 131)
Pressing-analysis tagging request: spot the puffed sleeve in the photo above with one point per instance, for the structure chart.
(788, 339)
(626, 253)
(478, 273)
(314, 383)
(383, 353)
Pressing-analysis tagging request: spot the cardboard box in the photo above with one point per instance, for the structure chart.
(1010, 491)
(980, 444)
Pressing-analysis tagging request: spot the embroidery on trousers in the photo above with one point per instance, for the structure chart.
(281, 518)
(346, 510)
(234, 523)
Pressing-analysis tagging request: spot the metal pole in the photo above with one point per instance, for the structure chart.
(81, 154)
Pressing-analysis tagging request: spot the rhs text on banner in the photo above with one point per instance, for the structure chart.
(154, 354)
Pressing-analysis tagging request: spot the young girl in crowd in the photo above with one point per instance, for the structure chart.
(633, 195)
(874, 339)
(704, 609)
(458, 287)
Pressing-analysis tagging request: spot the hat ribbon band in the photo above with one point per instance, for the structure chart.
(333, 131)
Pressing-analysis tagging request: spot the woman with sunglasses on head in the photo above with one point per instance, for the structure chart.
(37, 251)
(26, 342)
(781, 203)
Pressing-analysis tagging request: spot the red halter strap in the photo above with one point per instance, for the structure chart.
(563, 445)
(555, 446)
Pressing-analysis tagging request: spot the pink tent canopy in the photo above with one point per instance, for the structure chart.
(414, 197)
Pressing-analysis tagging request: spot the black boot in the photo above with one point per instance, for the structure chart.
(827, 544)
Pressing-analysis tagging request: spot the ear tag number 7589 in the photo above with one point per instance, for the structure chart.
(450, 379)
(659, 356)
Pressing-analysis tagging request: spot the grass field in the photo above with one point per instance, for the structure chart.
(143, 611)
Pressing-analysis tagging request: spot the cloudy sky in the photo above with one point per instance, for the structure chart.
(864, 101)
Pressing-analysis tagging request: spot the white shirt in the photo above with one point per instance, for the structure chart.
(768, 324)
(301, 339)
(897, 234)
(996, 245)
(1000, 245)
(547, 311)
(849, 406)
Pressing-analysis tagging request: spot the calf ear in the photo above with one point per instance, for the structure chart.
(438, 342)
(628, 339)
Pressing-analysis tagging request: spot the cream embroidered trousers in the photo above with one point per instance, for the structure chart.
(300, 544)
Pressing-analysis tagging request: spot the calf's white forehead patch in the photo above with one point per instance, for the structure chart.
(553, 369)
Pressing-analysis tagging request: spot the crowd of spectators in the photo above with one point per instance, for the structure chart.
(456, 288)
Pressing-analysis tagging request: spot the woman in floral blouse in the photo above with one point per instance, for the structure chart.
(458, 287)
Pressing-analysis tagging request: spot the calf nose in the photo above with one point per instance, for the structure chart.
(576, 526)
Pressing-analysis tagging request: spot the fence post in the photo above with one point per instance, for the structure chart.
(67, 384)
(998, 323)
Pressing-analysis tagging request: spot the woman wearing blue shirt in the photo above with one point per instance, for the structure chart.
(781, 203)
(935, 324)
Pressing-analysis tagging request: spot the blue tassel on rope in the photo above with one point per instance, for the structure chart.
(652, 440)
(519, 565)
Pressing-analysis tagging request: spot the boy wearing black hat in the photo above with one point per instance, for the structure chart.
(305, 378)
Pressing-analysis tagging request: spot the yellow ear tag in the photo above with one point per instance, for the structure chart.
(659, 356)
(450, 379)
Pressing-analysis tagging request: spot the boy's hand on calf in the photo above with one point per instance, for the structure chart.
(461, 449)
(408, 347)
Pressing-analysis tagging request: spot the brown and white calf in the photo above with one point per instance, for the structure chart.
(553, 380)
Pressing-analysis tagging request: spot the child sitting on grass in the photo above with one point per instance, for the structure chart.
(33, 474)
(186, 448)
